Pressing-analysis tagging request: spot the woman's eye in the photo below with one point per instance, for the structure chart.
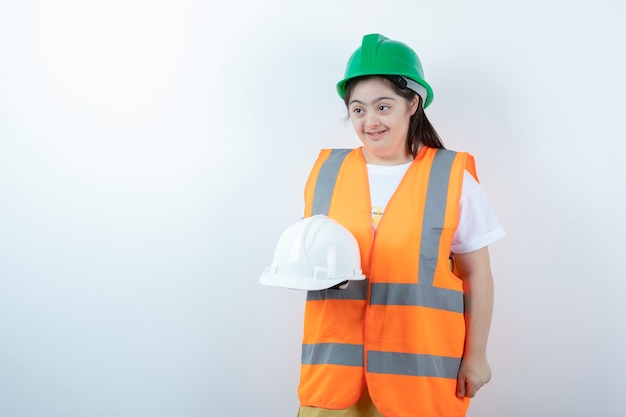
(383, 107)
(357, 111)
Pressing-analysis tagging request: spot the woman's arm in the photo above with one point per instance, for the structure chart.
(475, 271)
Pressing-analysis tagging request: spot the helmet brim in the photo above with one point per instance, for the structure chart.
(341, 86)
(300, 282)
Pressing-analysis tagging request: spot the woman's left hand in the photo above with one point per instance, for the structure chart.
(474, 373)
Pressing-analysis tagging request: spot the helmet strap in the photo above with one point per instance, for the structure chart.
(404, 82)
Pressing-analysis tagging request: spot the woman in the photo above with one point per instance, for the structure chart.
(410, 341)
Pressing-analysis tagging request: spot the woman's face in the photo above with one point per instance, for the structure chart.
(381, 120)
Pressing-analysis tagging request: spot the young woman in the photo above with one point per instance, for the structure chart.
(410, 340)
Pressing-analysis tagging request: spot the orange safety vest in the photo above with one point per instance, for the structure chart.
(402, 330)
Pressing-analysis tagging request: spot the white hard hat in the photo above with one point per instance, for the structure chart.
(315, 253)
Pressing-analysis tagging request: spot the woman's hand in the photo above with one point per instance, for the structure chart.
(473, 374)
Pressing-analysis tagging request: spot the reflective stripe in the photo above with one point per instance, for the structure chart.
(412, 364)
(434, 214)
(326, 180)
(357, 290)
(423, 293)
(417, 295)
(332, 354)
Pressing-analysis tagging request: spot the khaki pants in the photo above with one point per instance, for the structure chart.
(363, 408)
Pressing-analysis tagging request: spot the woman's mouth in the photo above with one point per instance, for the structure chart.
(375, 135)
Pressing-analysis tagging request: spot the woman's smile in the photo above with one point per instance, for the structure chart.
(376, 135)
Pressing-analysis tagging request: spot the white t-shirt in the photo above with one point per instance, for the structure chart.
(478, 225)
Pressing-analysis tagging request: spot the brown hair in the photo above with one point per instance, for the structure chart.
(421, 131)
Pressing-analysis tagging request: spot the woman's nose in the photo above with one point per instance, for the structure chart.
(371, 119)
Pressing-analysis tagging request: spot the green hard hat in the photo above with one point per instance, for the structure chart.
(379, 55)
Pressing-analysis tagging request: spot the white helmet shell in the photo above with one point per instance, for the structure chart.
(315, 253)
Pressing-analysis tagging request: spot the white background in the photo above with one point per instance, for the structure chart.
(151, 152)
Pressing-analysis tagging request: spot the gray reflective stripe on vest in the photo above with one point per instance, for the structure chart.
(326, 180)
(412, 364)
(434, 214)
(417, 295)
(424, 294)
(332, 354)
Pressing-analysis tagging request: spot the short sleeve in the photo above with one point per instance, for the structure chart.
(478, 224)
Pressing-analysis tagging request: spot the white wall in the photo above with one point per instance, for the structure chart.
(152, 152)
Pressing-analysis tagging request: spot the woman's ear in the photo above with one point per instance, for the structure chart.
(413, 104)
